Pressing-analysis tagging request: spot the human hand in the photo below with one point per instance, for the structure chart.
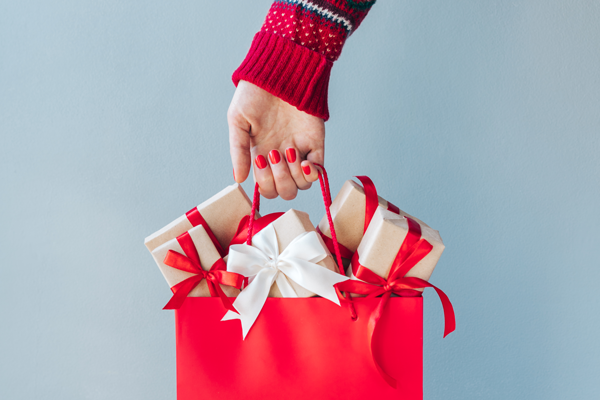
(283, 142)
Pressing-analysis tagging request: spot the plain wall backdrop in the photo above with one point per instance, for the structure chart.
(480, 117)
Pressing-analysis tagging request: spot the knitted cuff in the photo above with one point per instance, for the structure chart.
(289, 71)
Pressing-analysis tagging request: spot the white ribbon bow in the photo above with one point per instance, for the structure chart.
(263, 264)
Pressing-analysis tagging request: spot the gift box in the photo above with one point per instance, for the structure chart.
(381, 243)
(220, 215)
(348, 214)
(287, 227)
(286, 258)
(208, 256)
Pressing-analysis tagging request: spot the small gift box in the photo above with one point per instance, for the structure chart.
(382, 241)
(287, 227)
(197, 248)
(220, 215)
(348, 214)
(287, 258)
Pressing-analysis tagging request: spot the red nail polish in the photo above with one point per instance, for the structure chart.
(274, 156)
(260, 162)
(291, 155)
(306, 169)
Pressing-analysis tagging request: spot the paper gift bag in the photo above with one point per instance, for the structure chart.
(305, 348)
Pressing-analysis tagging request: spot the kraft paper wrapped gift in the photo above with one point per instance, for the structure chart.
(348, 214)
(208, 256)
(383, 239)
(288, 227)
(222, 213)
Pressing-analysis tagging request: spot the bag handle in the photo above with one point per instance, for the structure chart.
(324, 182)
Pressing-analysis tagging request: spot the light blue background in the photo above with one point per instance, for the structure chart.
(480, 117)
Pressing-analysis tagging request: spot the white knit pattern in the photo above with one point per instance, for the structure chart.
(324, 12)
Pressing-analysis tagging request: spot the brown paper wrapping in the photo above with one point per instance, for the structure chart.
(383, 239)
(348, 214)
(288, 227)
(222, 213)
(208, 256)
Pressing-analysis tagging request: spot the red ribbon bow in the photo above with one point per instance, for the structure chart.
(412, 250)
(215, 277)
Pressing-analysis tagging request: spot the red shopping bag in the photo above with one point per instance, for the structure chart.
(299, 349)
(307, 348)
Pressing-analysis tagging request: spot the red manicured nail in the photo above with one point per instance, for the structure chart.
(274, 156)
(306, 169)
(291, 155)
(260, 162)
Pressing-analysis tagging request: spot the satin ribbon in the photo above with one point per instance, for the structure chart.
(190, 262)
(263, 262)
(412, 250)
(241, 234)
(371, 204)
(196, 218)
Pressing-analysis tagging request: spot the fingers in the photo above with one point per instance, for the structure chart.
(239, 147)
(273, 176)
(264, 177)
(284, 184)
(282, 175)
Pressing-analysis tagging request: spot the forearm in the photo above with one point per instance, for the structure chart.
(292, 55)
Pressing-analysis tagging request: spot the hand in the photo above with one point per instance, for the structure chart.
(283, 142)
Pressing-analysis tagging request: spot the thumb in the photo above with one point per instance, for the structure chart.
(316, 156)
(239, 148)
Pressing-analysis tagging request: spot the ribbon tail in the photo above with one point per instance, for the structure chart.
(220, 293)
(251, 300)
(449, 317)
(372, 329)
(313, 277)
(284, 286)
(181, 291)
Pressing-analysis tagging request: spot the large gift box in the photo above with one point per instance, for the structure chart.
(383, 238)
(286, 258)
(287, 227)
(348, 214)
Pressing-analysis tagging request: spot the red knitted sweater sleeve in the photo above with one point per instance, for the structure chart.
(292, 55)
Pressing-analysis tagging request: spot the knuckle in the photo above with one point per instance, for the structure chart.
(290, 195)
(305, 186)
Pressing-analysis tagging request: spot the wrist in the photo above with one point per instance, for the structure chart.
(292, 72)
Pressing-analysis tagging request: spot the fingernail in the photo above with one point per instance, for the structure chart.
(234, 174)
(260, 162)
(291, 155)
(274, 156)
(306, 169)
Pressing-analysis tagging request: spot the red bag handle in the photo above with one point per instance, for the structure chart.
(324, 182)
